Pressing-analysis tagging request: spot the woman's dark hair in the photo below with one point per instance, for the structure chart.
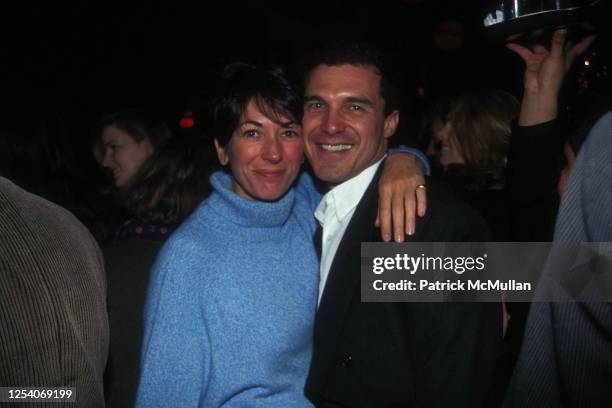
(172, 182)
(138, 125)
(270, 88)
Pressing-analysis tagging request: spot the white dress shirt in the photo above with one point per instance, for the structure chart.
(334, 213)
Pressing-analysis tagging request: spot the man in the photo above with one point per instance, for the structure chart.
(566, 356)
(53, 321)
(381, 354)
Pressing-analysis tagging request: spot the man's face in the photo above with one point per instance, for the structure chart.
(345, 128)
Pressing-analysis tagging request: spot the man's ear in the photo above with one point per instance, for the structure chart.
(391, 122)
(221, 153)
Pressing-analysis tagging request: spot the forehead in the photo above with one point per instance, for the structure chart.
(263, 113)
(343, 80)
(113, 134)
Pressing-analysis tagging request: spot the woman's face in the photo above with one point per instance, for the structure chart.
(123, 156)
(264, 156)
(448, 147)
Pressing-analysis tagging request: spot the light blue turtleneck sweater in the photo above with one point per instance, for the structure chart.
(230, 311)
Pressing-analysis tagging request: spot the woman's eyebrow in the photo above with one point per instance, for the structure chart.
(251, 122)
(289, 124)
(311, 98)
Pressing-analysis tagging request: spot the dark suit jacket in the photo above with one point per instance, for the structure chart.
(402, 354)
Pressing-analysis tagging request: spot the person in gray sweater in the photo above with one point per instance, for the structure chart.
(53, 320)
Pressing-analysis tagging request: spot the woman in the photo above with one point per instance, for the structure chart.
(125, 141)
(473, 129)
(231, 307)
(470, 136)
(230, 310)
(168, 187)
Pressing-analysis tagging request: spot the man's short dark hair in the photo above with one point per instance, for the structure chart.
(269, 86)
(361, 54)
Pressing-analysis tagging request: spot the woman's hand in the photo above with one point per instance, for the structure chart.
(401, 195)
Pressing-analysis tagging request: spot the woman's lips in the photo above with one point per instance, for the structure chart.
(270, 174)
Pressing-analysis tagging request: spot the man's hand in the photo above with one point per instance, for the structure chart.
(399, 198)
(544, 73)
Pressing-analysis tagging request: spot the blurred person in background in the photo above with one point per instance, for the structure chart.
(122, 144)
(518, 194)
(564, 359)
(164, 192)
(470, 137)
(124, 141)
(534, 181)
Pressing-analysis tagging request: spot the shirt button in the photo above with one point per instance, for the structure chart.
(347, 361)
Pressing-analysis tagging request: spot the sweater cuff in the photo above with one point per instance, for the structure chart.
(416, 152)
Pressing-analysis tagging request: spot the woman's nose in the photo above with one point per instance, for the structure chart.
(272, 151)
(107, 161)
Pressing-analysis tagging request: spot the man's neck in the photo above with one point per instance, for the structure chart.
(330, 186)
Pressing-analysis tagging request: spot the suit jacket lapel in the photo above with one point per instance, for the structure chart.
(344, 278)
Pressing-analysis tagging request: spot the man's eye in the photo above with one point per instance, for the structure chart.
(290, 134)
(251, 133)
(355, 108)
(315, 105)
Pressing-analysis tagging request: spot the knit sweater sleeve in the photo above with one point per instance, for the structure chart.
(176, 339)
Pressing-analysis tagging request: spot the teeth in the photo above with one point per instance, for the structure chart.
(336, 147)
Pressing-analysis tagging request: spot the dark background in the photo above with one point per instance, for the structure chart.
(65, 63)
(84, 58)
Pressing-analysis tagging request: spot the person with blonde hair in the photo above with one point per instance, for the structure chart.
(473, 129)
(470, 139)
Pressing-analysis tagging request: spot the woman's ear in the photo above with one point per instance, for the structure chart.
(221, 154)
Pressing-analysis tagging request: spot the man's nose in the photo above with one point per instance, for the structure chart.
(333, 123)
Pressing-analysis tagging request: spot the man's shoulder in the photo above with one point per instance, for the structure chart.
(28, 217)
(448, 217)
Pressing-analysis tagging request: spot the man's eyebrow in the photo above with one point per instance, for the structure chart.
(356, 99)
(251, 122)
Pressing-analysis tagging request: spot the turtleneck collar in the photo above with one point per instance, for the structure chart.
(247, 213)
